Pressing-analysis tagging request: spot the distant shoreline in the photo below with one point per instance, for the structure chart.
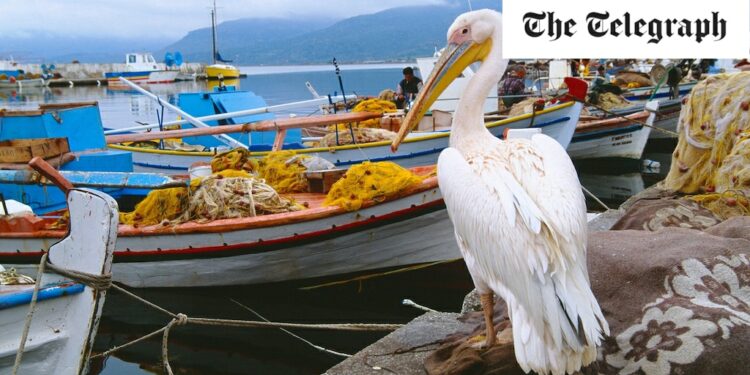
(281, 69)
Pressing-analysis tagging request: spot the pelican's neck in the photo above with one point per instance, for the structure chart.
(468, 120)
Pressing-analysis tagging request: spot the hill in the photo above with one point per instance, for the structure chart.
(398, 34)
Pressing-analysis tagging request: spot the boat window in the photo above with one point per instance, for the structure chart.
(151, 59)
(131, 58)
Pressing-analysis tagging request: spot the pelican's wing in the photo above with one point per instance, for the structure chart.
(521, 242)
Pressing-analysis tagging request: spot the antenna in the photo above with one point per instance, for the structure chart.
(213, 33)
(469, 1)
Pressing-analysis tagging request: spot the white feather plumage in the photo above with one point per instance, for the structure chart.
(520, 221)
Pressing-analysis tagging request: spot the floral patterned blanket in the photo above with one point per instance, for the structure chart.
(677, 301)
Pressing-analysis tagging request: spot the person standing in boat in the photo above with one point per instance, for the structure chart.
(408, 88)
(513, 87)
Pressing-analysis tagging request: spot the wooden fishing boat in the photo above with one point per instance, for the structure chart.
(419, 148)
(614, 137)
(656, 92)
(666, 118)
(410, 228)
(67, 313)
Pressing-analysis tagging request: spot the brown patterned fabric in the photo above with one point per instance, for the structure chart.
(677, 301)
(666, 212)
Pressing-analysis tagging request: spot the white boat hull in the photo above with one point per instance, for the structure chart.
(410, 230)
(417, 150)
(627, 143)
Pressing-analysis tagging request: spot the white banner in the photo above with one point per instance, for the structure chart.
(626, 29)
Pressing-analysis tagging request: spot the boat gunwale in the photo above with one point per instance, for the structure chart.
(603, 124)
(244, 223)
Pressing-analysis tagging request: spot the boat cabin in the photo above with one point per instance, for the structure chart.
(141, 62)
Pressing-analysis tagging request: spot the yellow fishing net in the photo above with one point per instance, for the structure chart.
(724, 205)
(158, 206)
(237, 159)
(713, 152)
(369, 105)
(369, 181)
(284, 171)
(240, 186)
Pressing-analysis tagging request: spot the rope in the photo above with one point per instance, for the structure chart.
(590, 194)
(410, 303)
(380, 274)
(96, 282)
(317, 347)
(32, 307)
(625, 117)
(182, 319)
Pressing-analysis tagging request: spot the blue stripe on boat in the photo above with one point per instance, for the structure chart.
(115, 75)
(45, 293)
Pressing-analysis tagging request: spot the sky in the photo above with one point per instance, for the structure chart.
(163, 19)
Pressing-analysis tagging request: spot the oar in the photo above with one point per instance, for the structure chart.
(229, 141)
(224, 116)
(51, 174)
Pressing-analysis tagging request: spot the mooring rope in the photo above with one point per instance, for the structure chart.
(182, 319)
(32, 307)
(96, 282)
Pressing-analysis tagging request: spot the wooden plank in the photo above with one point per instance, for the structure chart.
(278, 142)
(23, 150)
(267, 125)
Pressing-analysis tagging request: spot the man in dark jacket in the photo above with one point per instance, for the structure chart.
(512, 88)
(408, 87)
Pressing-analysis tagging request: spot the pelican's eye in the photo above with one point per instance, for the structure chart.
(464, 31)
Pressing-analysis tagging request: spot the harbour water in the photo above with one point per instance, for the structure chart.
(212, 350)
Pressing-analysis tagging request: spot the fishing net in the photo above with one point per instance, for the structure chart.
(240, 186)
(610, 101)
(522, 107)
(724, 205)
(369, 105)
(370, 181)
(218, 197)
(12, 277)
(388, 95)
(632, 79)
(713, 152)
(361, 135)
(285, 171)
(238, 159)
(162, 205)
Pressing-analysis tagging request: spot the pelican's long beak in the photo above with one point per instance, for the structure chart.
(454, 59)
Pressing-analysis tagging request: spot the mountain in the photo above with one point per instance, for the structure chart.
(44, 47)
(398, 34)
(242, 34)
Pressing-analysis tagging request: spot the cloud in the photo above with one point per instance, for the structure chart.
(164, 19)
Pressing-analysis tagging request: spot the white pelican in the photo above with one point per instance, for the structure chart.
(518, 212)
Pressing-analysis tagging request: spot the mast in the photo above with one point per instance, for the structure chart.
(213, 33)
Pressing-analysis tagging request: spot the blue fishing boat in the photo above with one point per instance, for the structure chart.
(71, 137)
